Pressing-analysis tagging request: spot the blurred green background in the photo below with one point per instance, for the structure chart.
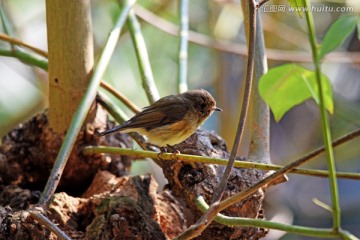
(23, 90)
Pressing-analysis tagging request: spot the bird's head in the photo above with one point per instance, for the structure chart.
(202, 101)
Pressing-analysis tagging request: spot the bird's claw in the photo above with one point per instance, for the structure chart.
(164, 150)
(173, 155)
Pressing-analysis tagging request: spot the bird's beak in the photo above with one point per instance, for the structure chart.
(217, 109)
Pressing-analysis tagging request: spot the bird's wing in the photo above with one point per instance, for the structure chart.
(164, 111)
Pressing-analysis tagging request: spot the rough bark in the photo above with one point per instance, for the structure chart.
(28, 152)
(129, 209)
(115, 207)
(190, 180)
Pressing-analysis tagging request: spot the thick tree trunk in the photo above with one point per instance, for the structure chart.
(70, 44)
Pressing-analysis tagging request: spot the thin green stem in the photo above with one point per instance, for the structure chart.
(143, 58)
(25, 58)
(249, 222)
(201, 159)
(347, 235)
(6, 23)
(325, 123)
(183, 48)
(84, 106)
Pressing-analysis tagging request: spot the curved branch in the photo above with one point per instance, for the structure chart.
(237, 48)
(18, 42)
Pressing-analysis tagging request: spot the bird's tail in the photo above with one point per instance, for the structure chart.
(117, 128)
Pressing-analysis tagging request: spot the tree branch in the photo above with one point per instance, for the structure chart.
(49, 225)
(245, 103)
(237, 48)
(15, 41)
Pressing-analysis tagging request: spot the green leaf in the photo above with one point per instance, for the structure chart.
(337, 33)
(288, 85)
(298, 6)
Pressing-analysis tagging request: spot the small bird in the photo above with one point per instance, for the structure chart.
(171, 119)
